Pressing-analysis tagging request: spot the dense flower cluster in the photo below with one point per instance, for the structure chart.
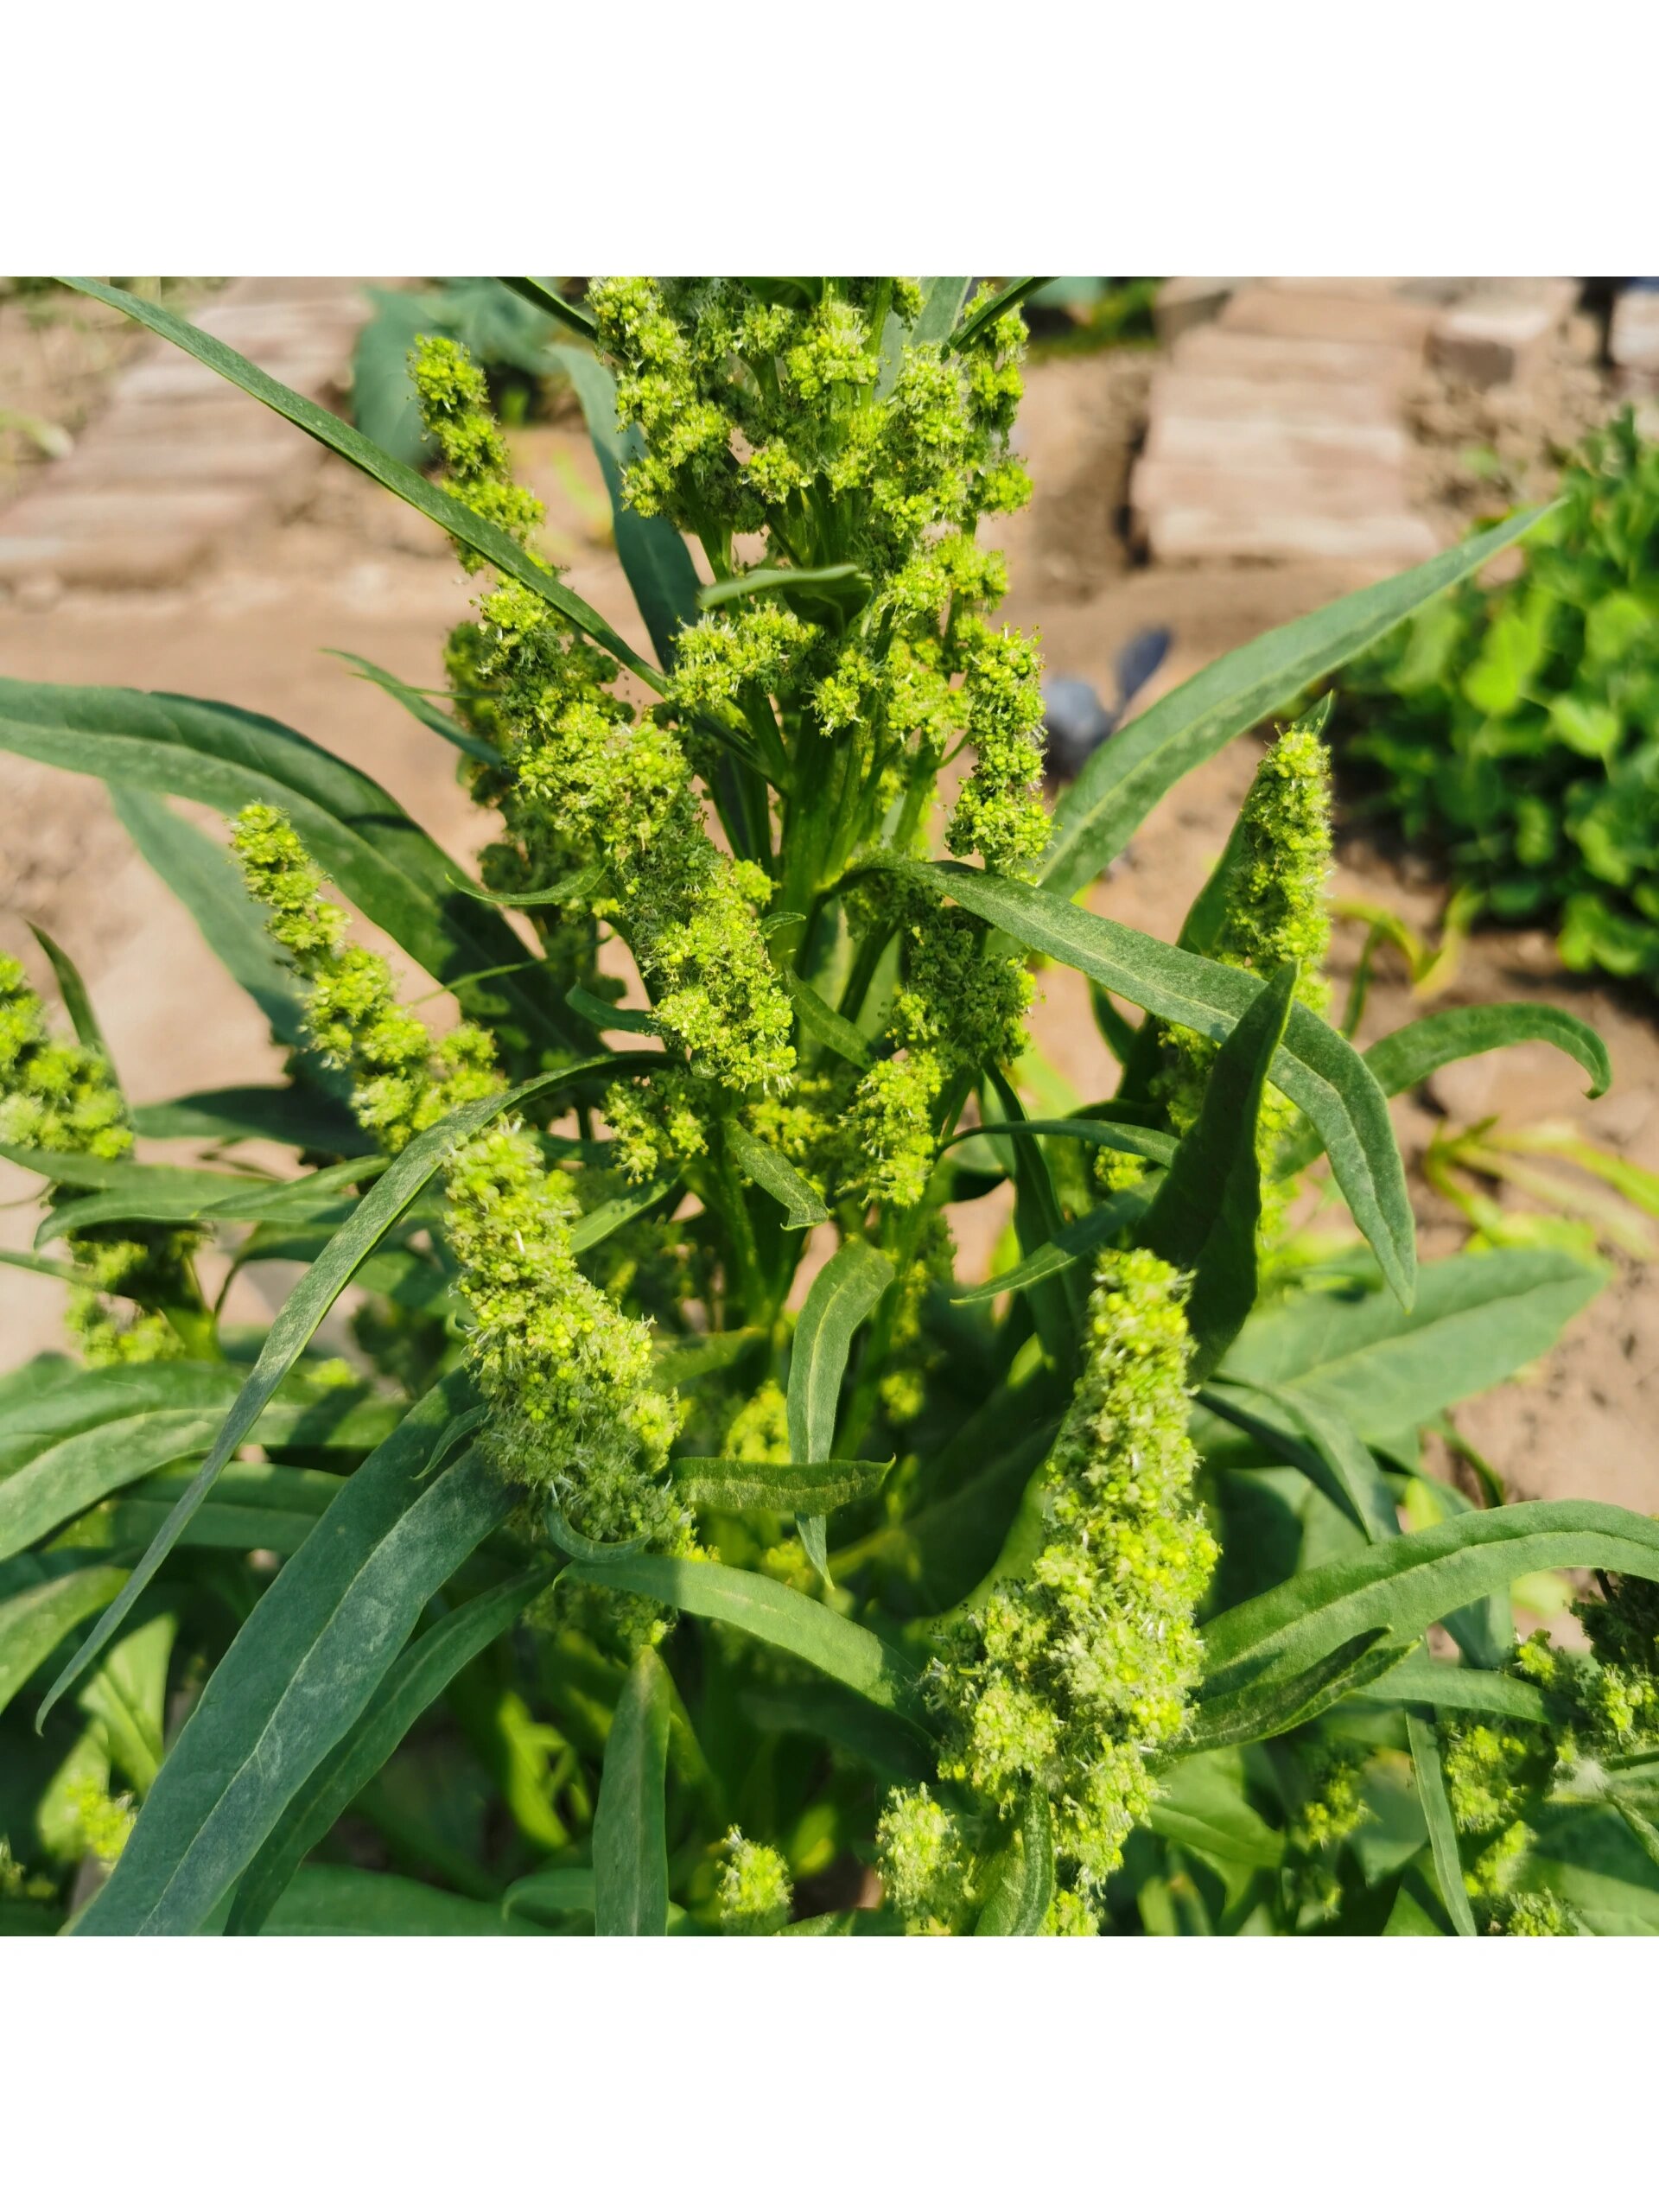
(567, 1375)
(1069, 1678)
(754, 1895)
(60, 1096)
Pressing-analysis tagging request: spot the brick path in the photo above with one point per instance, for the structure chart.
(1277, 427)
(179, 460)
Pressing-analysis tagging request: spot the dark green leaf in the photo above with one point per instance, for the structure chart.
(1111, 1136)
(1252, 1714)
(1437, 1815)
(1334, 1458)
(773, 1612)
(422, 1675)
(289, 1114)
(601, 1221)
(351, 1900)
(803, 1204)
(1316, 1068)
(35, 1621)
(449, 513)
(1477, 1318)
(653, 554)
(77, 1003)
(1021, 1887)
(605, 1015)
(774, 1486)
(844, 1293)
(1419, 1679)
(820, 1019)
(541, 293)
(629, 1840)
(304, 1667)
(1208, 1209)
(991, 309)
(1074, 1241)
(1411, 1055)
(1201, 1804)
(252, 1509)
(1123, 780)
(1405, 1585)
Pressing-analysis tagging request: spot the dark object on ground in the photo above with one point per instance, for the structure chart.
(1075, 720)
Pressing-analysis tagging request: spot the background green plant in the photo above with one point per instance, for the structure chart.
(960, 1578)
(1516, 729)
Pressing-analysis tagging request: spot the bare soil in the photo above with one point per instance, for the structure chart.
(354, 570)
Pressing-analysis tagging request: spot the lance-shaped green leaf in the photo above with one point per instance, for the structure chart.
(501, 551)
(76, 1000)
(1123, 780)
(303, 1668)
(335, 1901)
(1108, 1136)
(1208, 1209)
(1202, 1802)
(359, 835)
(602, 1220)
(776, 1486)
(802, 1203)
(301, 1313)
(540, 293)
(1412, 1054)
(820, 1019)
(630, 1823)
(252, 1509)
(35, 1621)
(1419, 1679)
(79, 1470)
(1437, 1817)
(289, 1113)
(1477, 1318)
(991, 308)
(844, 1293)
(420, 1676)
(419, 705)
(1405, 1585)
(1021, 1884)
(1315, 1067)
(653, 554)
(775, 1614)
(1334, 1457)
(1076, 1241)
(1259, 1711)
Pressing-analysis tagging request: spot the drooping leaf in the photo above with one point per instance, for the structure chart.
(1413, 1053)
(1206, 1217)
(803, 1204)
(1477, 1318)
(304, 1667)
(653, 554)
(421, 1675)
(363, 841)
(775, 1614)
(1123, 779)
(439, 506)
(1317, 1069)
(774, 1486)
(630, 1838)
(1404, 1585)
(844, 1293)
(1334, 1457)
(1437, 1815)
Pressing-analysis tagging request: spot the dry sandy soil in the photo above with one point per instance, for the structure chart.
(355, 570)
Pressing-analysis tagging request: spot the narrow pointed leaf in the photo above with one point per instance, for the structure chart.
(775, 1614)
(1334, 1458)
(630, 1838)
(653, 554)
(1074, 1241)
(290, 1114)
(1022, 1882)
(501, 551)
(35, 1621)
(804, 1206)
(1315, 1067)
(1109, 1136)
(420, 1676)
(1257, 1712)
(1208, 1209)
(542, 295)
(305, 1665)
(1437, 1816)
(988, 311)
(1419, 1679)
(1123, 780)
(844, 1293)
(76, 999)
(434, 718)
(820, 1019)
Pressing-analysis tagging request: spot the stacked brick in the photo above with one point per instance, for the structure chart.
(179, 460)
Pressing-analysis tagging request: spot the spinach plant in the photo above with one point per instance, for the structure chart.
(684, 1546)
(1517, 729)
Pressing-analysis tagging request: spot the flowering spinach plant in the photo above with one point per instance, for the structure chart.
(683, 1547)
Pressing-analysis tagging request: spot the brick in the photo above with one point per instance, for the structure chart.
(1305, 400)
(1494, 341)
(1263, 442)
(84, 511)
(1249, 492)
(1184, 303)
(149, 562)
(1633, 339)
(1380, 318)
(1384, 542)
(1217, 353)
